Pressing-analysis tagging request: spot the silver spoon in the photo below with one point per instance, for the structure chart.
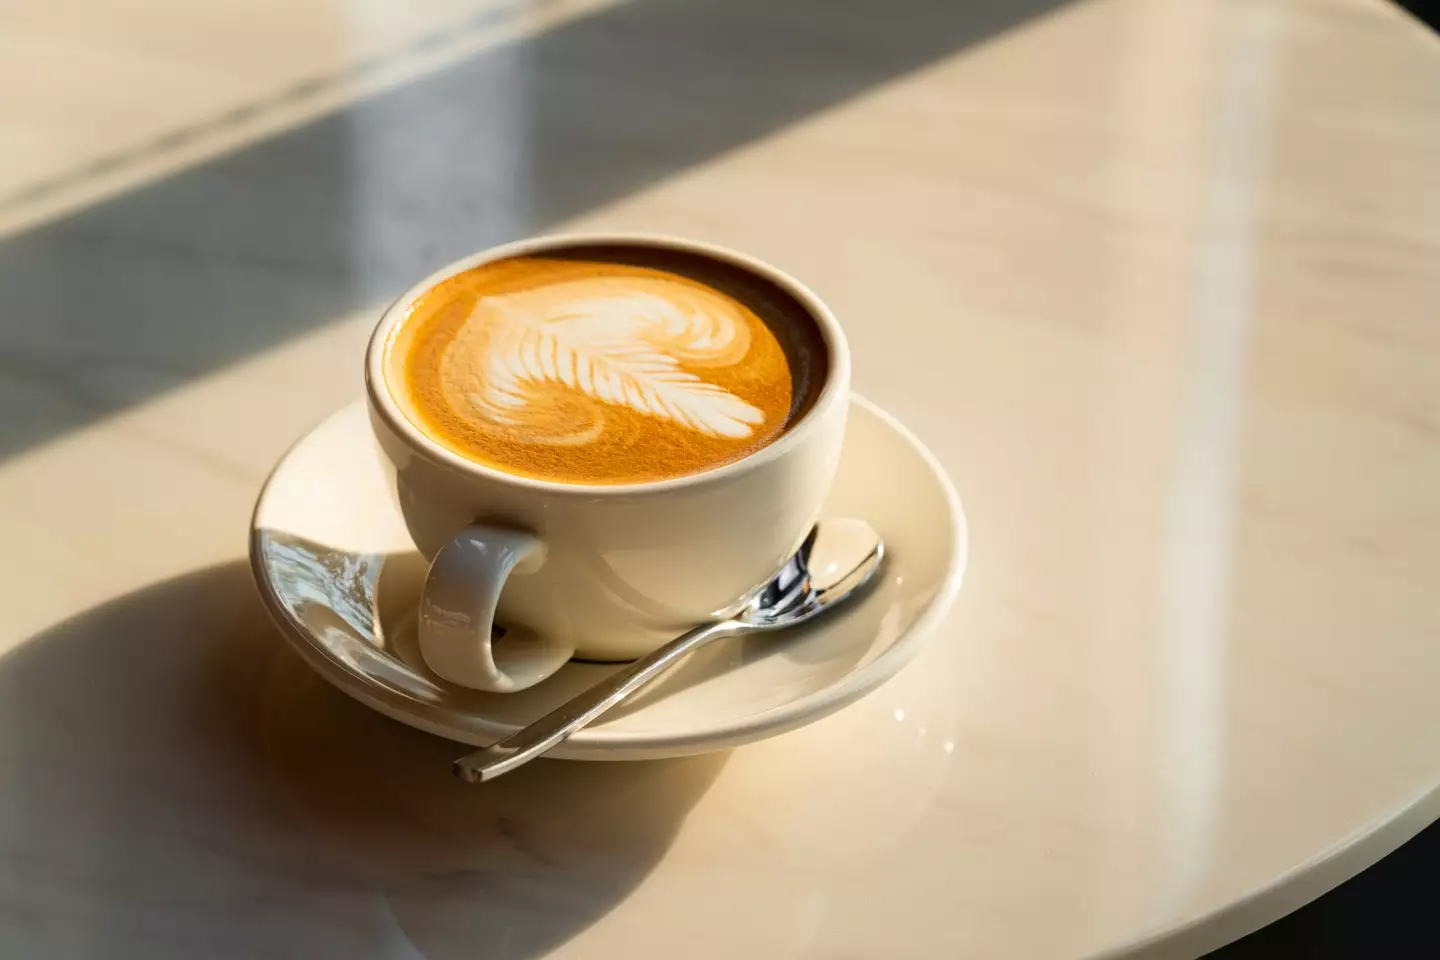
(837, 559)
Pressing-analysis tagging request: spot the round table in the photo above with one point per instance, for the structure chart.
(1157, 281)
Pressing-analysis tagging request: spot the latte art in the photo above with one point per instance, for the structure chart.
(606, 365)
(622, 346)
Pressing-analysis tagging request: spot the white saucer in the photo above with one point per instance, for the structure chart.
(340, 576)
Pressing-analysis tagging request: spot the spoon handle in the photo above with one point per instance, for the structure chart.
(557, 725)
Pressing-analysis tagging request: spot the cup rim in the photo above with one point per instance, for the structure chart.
(834, 390)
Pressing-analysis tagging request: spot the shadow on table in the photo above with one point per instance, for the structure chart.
(178, 783)
(141, 293)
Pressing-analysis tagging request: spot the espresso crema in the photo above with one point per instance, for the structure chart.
(606, 365)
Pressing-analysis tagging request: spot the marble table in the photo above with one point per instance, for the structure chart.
(1158, 281)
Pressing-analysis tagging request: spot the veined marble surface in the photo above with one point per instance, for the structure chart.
(1156, 279)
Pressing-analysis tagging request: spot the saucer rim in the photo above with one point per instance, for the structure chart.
(583, 745)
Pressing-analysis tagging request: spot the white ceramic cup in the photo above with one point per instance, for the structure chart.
(600, 572)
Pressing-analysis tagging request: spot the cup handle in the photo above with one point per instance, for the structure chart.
(457, 613)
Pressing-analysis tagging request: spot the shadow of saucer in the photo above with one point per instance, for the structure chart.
(179, 784)
(512, 867)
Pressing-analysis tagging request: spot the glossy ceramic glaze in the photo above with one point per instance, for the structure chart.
(341, 577)
(1155, 280)
(618, 569)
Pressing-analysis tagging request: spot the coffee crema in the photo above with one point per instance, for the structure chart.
(606, 365)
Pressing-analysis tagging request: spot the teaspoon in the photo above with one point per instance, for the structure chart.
(836, 561)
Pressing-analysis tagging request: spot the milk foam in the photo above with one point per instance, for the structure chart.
(525, 362)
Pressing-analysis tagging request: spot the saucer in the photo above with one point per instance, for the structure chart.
(340, 576)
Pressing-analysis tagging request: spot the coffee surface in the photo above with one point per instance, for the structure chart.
(607, 365)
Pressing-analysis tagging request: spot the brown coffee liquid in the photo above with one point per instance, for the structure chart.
(607, 365)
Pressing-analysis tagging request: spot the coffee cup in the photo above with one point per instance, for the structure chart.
(599, 441)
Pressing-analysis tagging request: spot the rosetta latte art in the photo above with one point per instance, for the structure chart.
(545, 362)
(605, 365)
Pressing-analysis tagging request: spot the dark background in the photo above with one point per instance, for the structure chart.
(1389, 911)
(1424, 11)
